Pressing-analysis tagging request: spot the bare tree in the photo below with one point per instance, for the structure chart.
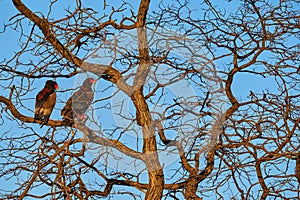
(169, 119)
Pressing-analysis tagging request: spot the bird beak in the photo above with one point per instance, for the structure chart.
(56, 86)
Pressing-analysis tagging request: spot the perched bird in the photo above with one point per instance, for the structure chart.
(45, 102)
(78, 103)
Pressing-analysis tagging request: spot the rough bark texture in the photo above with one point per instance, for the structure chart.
(144, 119)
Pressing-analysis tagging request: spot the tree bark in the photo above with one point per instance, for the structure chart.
(143, 116)
(155, 172)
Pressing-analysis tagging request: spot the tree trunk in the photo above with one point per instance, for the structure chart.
(155, 172)
(191, 188)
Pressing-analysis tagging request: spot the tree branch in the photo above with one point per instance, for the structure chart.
(23, 118)
(44, 25)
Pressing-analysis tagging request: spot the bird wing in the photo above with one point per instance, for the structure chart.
(66, 112)
(82, 100)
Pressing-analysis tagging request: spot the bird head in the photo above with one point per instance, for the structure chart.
(88, 82)
(51, 85)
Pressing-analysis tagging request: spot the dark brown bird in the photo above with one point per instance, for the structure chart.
(78, 103)
(45, 102)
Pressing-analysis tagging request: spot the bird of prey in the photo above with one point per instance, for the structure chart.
(78, 103)
(45, 102)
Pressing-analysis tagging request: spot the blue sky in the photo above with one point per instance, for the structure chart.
(242, 85)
